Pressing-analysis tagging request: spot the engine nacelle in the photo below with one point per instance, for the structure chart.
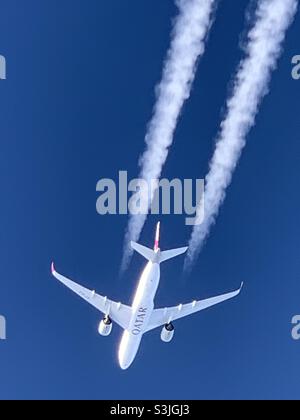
(167, 333)
(105, 327)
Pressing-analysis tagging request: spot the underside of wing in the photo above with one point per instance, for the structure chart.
(164, 316)
(119, 313)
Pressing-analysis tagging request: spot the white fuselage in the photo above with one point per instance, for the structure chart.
(143, 306)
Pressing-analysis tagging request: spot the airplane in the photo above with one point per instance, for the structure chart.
(141, 317)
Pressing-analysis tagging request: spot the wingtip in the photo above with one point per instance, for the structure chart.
(52, 268)
(242, 285)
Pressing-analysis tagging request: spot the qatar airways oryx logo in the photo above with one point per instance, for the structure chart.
(2, 328)
(139, 321)
(158, 197)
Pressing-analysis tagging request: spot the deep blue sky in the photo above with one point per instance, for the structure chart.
(79, 93)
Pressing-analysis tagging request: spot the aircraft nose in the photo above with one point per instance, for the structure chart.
(127, 351)
(125, 361)
(124, 365)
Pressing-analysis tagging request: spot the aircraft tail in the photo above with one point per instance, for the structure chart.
(156, 255)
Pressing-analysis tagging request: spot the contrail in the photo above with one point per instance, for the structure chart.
(187, 46)
(264, 46)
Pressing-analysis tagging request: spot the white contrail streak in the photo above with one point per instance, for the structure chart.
(264, 45)
(188, 44)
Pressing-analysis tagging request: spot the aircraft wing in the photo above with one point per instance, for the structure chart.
(119, 313)
(164, 316)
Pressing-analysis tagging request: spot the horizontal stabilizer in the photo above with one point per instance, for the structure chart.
(147, 253)
(168, 255)
(157, 256)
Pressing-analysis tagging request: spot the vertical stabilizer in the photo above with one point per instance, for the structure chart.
(157, 237)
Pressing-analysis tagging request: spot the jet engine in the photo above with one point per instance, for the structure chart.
(167, 333)
(105, 326)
